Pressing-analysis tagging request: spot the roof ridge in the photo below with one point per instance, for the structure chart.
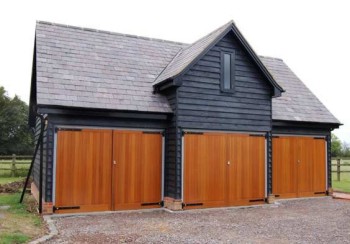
(212, 32)
(269, 57)
(172, 60)
(108, 32)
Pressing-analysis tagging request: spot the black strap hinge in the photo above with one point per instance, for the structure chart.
(257, 200)
(152, 132)
(192, 133)
(258, 135)
(191, 204)
(320, 138)
(161, 203)
(66, 129)
(55, 208)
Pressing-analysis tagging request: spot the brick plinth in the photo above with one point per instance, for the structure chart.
(47, 206)
(330, 191)
(271, 199)
(172, 204)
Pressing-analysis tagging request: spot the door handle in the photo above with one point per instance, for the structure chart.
(228, 162)
(298, 161)
(114, 162)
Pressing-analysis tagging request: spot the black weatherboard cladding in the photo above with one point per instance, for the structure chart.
(200, 103)
(36, 167)
(172, 152)
(329, 160)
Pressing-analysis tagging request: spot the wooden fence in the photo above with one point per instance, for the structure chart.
(340, 163)
(14, 160)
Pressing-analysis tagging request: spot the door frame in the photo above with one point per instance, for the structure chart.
(307, 135)
(102, 128)
(223, 132)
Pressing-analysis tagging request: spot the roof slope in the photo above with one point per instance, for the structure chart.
(298, 103)
(187, 55)
(88, 68)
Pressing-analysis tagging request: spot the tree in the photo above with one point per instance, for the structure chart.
(336, 148)
(15, 135)
(345, 149)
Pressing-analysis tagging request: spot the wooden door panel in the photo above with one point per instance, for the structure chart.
(299, 166)
(305, 164)
(257, 151)
(127, 170)
(319, 151)
(204, 169)
(223, 169)
(151, 168)
(246, 171)
(83, 170)
(284, 166)
(137, 176)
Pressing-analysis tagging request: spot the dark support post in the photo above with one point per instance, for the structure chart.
(270, 196)
(338, 169)
(269, 162)
(329, 162)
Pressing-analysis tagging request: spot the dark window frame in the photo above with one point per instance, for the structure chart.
(232, 72)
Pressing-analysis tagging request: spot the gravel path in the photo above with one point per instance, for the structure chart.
(320, 220)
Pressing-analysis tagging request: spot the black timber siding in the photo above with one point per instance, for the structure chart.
(36, 166)
(329, 160)
(269, 162)
(35, 172)
(56, 120)
(172, 176)
(202, 104)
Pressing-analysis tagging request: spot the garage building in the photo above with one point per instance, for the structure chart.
(131, 122)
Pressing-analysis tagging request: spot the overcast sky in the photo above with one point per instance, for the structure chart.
(312, 37)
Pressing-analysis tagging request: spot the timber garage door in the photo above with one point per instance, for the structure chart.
(223, 169)
(298, 166)
(98, 170)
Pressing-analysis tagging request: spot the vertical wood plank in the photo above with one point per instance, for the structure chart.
(204, 169)
(79, 155)
(151, 168)
(319, 166)
(138, 169)
(284, 166)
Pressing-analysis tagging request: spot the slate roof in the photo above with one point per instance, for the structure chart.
(297, 103)
(80, 67)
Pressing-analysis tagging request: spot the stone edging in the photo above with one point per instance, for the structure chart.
(52, 231)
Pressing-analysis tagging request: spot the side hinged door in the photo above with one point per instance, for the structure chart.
(137, 169)
(83, 170)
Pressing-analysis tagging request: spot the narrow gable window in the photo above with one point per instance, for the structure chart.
(227, 71)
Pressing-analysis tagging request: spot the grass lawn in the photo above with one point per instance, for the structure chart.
(343, 184)
(18, 224)
(5, 180)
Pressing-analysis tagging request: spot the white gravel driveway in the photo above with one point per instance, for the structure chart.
(318, 220)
